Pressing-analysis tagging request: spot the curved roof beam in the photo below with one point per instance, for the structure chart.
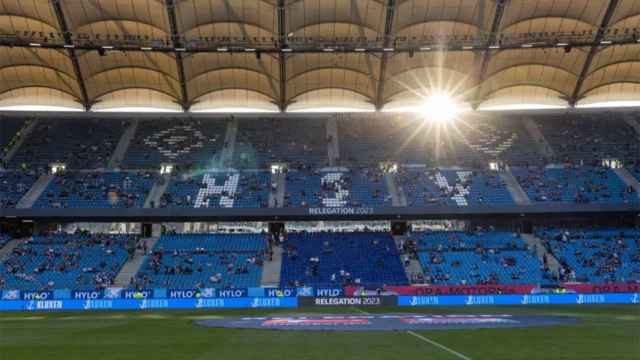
(292, 2)
(228, 22)
(419, 23)
(116, 59)
(54, 27)
(608, 83)
(320, 68)
(231, 67)
(170, 81)
(506, 68)
(62, 78)
(419, 67)
(97, 97)
(262, 93)
(604, 25)
(37, 9)
(31, 56)
(403, 86)
(37, 65)
(319, 23)
(602, 67)
(488, 94)
(505, 28)
(205, 85)
(624, 19)
(436, 68)
(224, 88)
(119, 23)
(180, 11)
(361, 76)
(343, 88)
(553, 67)
(122, 67)
(2, 92)
(96, 10)
(525, 57)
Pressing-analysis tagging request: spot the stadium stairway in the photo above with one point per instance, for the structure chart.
(24, 134)
(276, 199)
(34, 193)
(540, 141)
(398, 197)
(230, 140)
(541, 250)
(414, 266)
(333, 147)
(628, 179)
(131, 267)
(271, 269)
(8, 247)
(156, 192)
(634, 124)
(123, 145)
(517, 193)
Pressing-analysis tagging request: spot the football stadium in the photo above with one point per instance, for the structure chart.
(320, 179)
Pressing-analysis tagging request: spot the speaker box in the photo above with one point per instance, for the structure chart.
(147, 230)
(398, 228)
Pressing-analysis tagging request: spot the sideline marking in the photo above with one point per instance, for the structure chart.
(438, 345)
(427, 340)
(360, 310)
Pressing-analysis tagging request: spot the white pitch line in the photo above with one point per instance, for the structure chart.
(360, 310)
(440, 346)
(427, 340)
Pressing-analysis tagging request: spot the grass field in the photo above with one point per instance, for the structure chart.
(606, 332)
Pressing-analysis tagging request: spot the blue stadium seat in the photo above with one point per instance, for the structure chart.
(97, 190)
(219, 190)
(458, 258)
(14, 185)
(65, 261)
(596, 256)
(434, 187)
(371, 259)
(204, 261)
(592, 185)
(193, 143)
(265, 141)
(336, 188)
(78, 143)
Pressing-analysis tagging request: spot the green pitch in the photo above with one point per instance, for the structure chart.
(606, 332)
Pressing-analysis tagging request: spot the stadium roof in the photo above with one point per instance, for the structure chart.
(355, 60)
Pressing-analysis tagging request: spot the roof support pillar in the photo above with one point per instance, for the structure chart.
(177, 43)
(68, 40)
(282, 60)
(388, 26)
(602, 29)
(486, 55)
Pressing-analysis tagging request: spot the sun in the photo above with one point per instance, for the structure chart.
(440, 107)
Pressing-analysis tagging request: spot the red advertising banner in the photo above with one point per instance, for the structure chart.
(417, 290)
(602, 288)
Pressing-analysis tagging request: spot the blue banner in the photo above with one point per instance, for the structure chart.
(231, 293)
(277, 292)
(560, 299)
(10, 295)
(85, 295)
(146, 304)
(329, 292)
(36, 295)
(137, 294)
